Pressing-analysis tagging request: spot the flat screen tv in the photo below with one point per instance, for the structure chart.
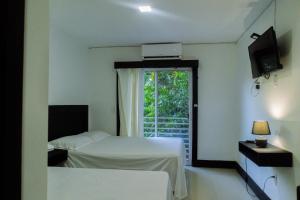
(264, 54)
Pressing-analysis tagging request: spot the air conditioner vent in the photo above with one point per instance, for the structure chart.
(162, 51)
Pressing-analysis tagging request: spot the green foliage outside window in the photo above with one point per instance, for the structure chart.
(172, 92)
(172, 105)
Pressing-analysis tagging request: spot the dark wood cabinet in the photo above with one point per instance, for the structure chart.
(57, 156)
(271, 156)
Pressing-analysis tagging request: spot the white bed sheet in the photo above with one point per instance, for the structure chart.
(151, 154)
(104, 184)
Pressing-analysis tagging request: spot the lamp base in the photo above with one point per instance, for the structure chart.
(261, 143)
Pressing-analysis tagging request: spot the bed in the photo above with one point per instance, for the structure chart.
(115, 152)
(105, 184)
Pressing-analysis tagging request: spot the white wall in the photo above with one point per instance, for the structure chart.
(35, 101)
(217, 99)
(217, 94)
(278, 100)
(68, 69)
(103, 79)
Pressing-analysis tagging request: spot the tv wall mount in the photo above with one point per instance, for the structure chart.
(254, 36)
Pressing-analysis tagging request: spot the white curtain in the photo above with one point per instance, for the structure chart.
(130, 101)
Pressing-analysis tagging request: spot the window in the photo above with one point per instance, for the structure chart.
(167, 105)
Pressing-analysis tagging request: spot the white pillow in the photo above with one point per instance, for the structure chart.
(50, 147)
(71, 142)
(95, 135)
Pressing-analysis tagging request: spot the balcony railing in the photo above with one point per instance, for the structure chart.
(168, 127)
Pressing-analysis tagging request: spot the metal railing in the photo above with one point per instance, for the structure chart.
(168, 127)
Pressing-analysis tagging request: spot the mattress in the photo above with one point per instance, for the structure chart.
(105, 184)
(151, 154)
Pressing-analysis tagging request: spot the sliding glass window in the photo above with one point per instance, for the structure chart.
(167, 104)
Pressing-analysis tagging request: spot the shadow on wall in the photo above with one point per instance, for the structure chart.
(285, 44)
(285, 47)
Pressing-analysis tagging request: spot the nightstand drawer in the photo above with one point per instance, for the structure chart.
(57, 156)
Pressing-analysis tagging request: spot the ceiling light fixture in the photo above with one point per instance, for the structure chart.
(145, 8)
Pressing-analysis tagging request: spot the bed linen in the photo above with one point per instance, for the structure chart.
(105, 184)
(151, 154)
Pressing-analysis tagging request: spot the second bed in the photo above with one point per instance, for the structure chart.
(105, 184)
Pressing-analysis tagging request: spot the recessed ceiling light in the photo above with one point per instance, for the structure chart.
(145, 8)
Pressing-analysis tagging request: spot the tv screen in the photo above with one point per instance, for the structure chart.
(263, 53)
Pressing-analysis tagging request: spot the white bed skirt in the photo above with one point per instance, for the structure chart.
(103, 184)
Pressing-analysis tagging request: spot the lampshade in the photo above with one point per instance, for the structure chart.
(261, 128)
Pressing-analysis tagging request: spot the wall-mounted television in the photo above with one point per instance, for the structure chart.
(264, 54)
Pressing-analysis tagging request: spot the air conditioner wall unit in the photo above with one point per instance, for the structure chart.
(162, 51)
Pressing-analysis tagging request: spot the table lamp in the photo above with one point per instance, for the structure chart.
(261, 129)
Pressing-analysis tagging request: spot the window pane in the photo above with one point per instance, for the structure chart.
(167, 105)
(173, 105)
(149, 104)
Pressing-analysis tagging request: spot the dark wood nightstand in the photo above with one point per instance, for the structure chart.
(271, 156)
(57, 156)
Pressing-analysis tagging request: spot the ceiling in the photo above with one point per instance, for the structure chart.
(118, 22)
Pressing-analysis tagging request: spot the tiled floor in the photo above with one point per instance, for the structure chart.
(216, 184)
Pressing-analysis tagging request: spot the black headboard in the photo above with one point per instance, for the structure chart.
(65, 120)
